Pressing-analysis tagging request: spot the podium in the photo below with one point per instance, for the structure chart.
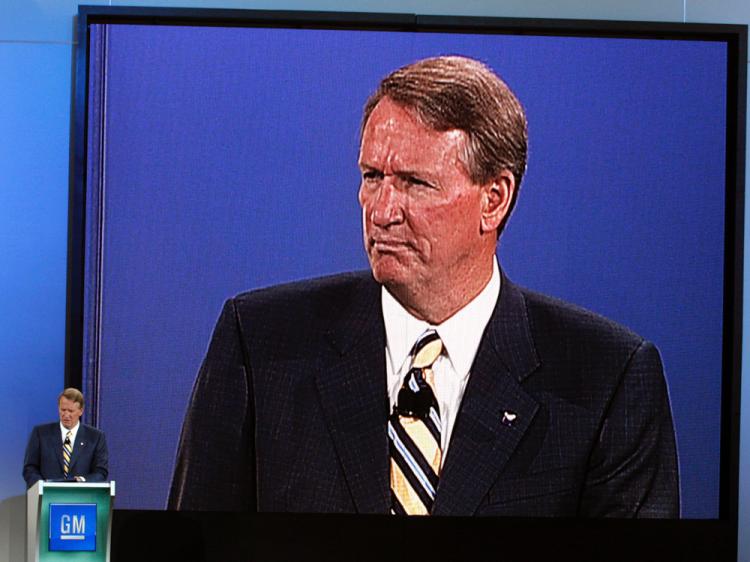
(69, 521)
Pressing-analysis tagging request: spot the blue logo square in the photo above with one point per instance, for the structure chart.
(72, 526)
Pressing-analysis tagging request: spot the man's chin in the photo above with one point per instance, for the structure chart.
(388, 273)
(396, 281)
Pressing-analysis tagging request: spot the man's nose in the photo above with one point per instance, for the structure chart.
(387, 207)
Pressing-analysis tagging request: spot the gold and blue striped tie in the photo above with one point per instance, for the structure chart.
(414, 430)
(67, 452)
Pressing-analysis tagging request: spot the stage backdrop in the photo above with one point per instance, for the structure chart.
(227, 162)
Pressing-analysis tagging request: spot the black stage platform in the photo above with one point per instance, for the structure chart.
(145, 536)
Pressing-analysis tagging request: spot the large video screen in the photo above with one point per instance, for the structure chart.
(225, 158)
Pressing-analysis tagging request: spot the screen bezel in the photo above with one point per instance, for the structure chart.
(734, 36)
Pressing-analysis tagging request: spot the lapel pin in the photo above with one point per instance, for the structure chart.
(509, 418)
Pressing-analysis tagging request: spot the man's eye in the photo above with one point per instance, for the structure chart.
(418, 181)
(371, 175)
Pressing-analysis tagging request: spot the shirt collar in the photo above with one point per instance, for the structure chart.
(73, 430)
(461, 333)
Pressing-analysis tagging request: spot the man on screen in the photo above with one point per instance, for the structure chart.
(431, 384)
(68, 450)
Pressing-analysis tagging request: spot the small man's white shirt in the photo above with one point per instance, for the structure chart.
(73, 432)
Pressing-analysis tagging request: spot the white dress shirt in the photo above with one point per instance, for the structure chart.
(460, 334)
(73, 432)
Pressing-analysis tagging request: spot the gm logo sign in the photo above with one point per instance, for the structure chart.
(72, 526)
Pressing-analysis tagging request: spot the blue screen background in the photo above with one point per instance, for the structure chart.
(230, 164)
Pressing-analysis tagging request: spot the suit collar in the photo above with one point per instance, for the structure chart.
(357, 315)
(509, 332)
(351, 383)
(53, 439)
(80, 444)
(495, 411)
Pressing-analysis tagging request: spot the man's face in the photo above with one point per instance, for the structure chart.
(421, 213)
(70, 412)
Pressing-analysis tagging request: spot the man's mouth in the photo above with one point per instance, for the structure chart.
(388, 244)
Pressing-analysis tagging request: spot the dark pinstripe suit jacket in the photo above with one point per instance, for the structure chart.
(289, 412)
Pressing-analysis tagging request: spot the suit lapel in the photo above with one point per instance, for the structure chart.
(78, 444)
(495, 411)
(351, 382)
(55, 442)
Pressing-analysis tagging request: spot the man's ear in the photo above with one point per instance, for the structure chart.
(496, 199)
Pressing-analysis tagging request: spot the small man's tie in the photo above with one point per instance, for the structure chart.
(67, 452)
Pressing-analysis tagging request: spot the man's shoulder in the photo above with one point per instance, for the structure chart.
(583, 354)
(296, 315)
(44, 428)
(44, 432)
(91, 430)
(556, 311)
(317, 297)
(560, 324)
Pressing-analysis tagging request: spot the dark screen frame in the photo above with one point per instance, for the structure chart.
(700, 534)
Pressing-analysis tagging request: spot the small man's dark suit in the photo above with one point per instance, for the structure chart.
(44, 458)
(565, 413)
